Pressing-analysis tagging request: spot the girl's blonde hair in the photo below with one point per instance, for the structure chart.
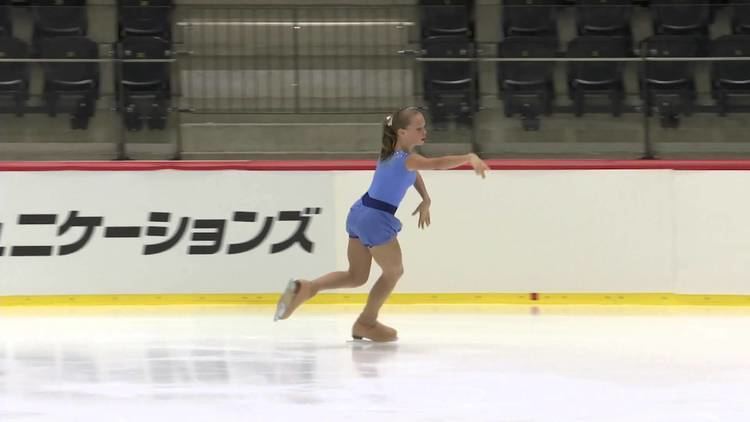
(392, 123)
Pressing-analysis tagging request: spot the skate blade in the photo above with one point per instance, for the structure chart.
(365, 340)
(285, 300)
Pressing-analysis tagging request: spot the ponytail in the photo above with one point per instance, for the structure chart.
(388, 147)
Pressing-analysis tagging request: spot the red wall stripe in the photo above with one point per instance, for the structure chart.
(324, 165)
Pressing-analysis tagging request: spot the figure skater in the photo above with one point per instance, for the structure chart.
(373, 227)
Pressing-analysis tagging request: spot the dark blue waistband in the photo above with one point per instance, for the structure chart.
(371, 202)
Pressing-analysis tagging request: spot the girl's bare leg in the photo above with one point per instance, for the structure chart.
(388, 257)
(360, 261)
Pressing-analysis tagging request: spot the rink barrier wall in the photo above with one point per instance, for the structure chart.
(633, 232)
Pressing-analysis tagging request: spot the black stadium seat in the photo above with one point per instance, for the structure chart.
(730, 79)
(527, 87)
(597, 78)
(54, 18)
(144, 87)
(681, 17)
(529, 18)
(6, 23)
(669, 85)
(450, 87)
(604, 17)
(14, 76)
(79, 80)
(446, 20)
(145, 18)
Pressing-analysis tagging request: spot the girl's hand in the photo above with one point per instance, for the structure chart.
(424, 214)
(479, 166)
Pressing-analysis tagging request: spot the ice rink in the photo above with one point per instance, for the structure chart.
(451, 363)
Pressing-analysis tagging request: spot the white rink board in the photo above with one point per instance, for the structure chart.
(516, 231)
(712, 232)
(107, 265)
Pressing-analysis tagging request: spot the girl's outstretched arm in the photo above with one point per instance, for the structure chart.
(419, 162)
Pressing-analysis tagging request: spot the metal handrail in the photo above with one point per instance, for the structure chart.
(579, 59)
(31, 60)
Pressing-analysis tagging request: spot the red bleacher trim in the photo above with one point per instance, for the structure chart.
(323, 165)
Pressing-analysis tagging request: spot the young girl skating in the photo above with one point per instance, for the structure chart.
(373, 227)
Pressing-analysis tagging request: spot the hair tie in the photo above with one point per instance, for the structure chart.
(389, 120)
